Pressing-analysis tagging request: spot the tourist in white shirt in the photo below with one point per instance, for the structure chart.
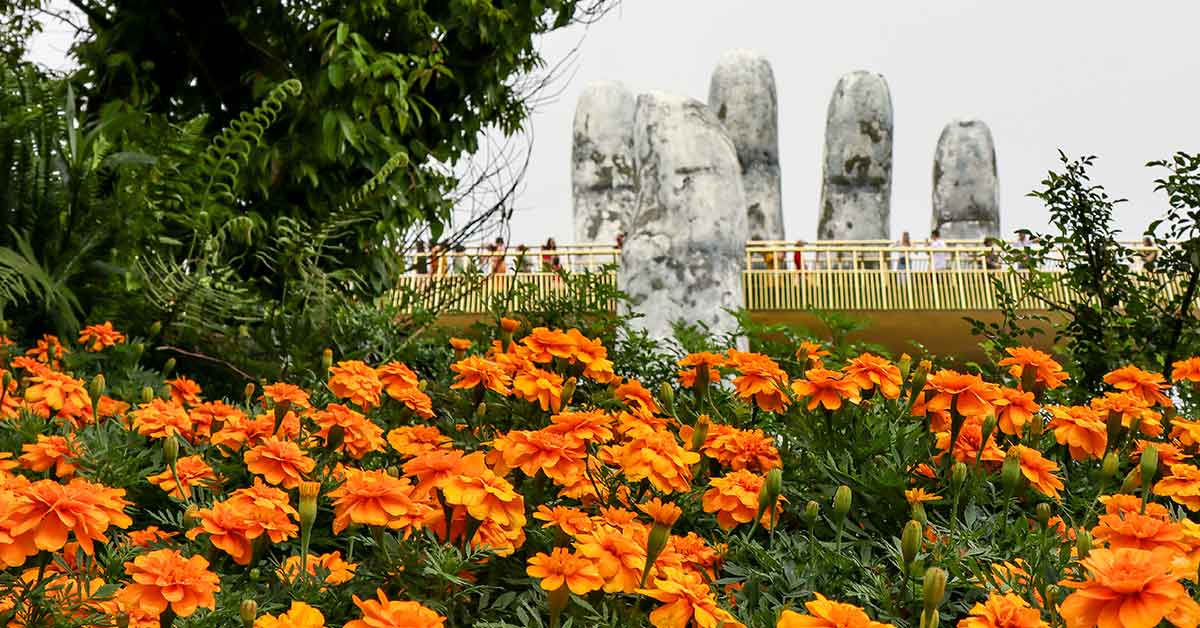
(940, 260)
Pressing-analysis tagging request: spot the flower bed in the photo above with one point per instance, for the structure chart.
(527, 483)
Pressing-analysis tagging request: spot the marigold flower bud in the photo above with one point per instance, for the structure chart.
(667, 394)
(96, 390)
(147, 394)
(308, 503)
(841, 502)
(930, 619)
(256, 574)
(933, 588)
(422, 385)
(1131, 481)
(1028, 378)
(700, 386)
(122, 620)
(905, 365)
(1083, 543)
(910, 542)
(248, 612)
(802, 357)
(168, 366)
(769, 493)
(568, 390)
(248, 392)
(700, 432)
(191, 517)
(958, 475)
(655, 544)
(393, 471)
(481, 410)
(989, 426)
(1043, 513)
(1010, 473)
(155, 328)
(1149, 467)
(1112, 428)
(326, 360)
(170, 450)
(281, 410)
(811, 511)
(138, 349)
(1110, 466)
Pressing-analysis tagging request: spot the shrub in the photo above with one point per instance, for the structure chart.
(523, 477)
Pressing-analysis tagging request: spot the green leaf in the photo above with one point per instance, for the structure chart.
(337, 75)
(343, 30)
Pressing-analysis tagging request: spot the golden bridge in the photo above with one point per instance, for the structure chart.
(905, 294)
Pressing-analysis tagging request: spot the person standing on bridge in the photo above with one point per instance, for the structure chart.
(550, 263)
(499, 267)
(939, 260)
(905, 246)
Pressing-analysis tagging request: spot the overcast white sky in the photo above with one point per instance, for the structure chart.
(1114, 79)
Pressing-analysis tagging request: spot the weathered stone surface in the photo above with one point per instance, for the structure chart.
(683, 255)
(742, 94)
(602, 170)
(966, 191)
(856, 187)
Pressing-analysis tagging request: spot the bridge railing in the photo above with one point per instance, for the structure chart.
(489, 260)
(959, 275)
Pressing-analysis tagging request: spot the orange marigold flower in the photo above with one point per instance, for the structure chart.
(697, 361)
(734, 497)
(48, 512)
(1003, 610)
(1080, 429)
(46, 345)
(335, 570)
(1186, 370)
(919, 496)
(279, 392)
(594, 357)
(1129, 588)
(149, 536)
(233, 524)
(1048, 372)
(474, 371)
(636, 397)
(395, 375)
(1168, 453)
(299, 615)
(1132, 529)
(869, 372)
(208, 414)
(160, 419)
(385, 613)
(109, 407)
(241, 431)
(663, 514)
(571, 521)
(825, 613)
(546, 344)
(1134, 411)
(970, 395)
(487, 497)
(686, 598)
(509, 325)
(414, 440)
(59, 395)
(592, 426)
(1014, 408)
(970, 445)
(1039, 470)
(57, 452)
(460, 344)
(434, 469)
(1148, 386)
(659, 458)
(279, 461)
(1187, 432)
(1122, 503)
(96, 337)
(562, 568)
(375, 498)
(359, 435)
(357, 382)
(759, 378)
(619, 557)
(165, 577)
(738, 449)
(414, 400)
(813, 352)
(541, 387)
(184, 391)
(561, 458)
(191, 471)
(1182, 486)
(825, 388)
